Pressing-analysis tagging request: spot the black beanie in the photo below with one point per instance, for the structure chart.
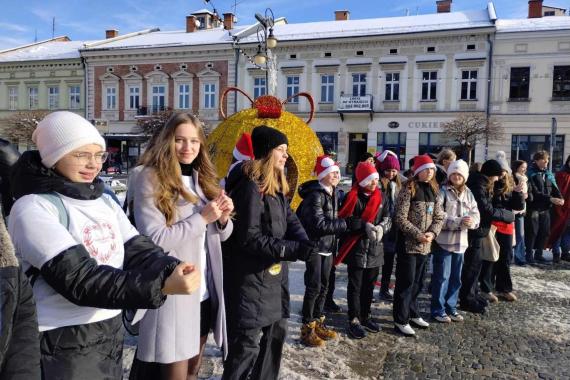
(491, 168)
(264, 139)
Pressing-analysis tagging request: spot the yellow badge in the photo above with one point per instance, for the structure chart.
(275, 269)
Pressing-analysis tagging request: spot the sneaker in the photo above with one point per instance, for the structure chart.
(355, 329)
(456, 317)
(332, 307)
(323, 331)
(419, 322)
(406, 329)
(508, 296)
(490, 297)
(442, 318)
(371, 326)
(309, 337)
(386, 296)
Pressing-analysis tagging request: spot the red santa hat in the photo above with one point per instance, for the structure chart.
(243, 150)
(324, 166)
(365, 173)
(421, 163)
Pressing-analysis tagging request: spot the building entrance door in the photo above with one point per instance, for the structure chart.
(356, 148)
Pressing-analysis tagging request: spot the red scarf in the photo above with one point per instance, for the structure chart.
(368, 216)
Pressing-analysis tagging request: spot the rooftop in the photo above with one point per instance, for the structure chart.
(533, 24)
(54, 49)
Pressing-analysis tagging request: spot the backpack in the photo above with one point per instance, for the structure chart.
(33, 273)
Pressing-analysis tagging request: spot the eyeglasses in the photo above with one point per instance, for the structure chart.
(86, 157)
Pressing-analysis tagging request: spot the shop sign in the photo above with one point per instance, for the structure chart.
(355, 103)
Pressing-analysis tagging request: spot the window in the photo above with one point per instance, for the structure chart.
(519, 82)
(293, 88)
(209, 95)
(359, 53)
(258, 87)
(434, 142)
(393, 51)
(430, 49)
(525, 146)
(471, 47)
(111, 98)
(292, 56)
(32, 98)
(549, 13)
(53, 98)
(561, 82)
(392, 86)
(134, 97)
(184, 96)
(469, 85)
(74, 97)
(394, 141)
(358, 84)
(429, 85)
(12, 97)
(329, 141)
(158, 98)
(327, 88)
(328, 54)
(202, 21)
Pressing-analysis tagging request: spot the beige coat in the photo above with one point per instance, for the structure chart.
(172, 332)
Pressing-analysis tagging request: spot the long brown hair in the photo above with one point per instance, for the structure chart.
(269, 180)
(508, 185)
(161, 156)
(412, 185)
(385, 181)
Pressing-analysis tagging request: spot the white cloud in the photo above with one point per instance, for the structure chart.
(13, 27)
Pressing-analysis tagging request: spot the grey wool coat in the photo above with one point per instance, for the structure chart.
(172, 332)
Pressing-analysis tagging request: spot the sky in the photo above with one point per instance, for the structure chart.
(22, 21)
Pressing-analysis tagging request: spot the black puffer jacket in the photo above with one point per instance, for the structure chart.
(479, 186)
(19, 335)
(266, 234)
(74, 273)
(509, 201)
(318, 212)
(367, 253)
(540, 190)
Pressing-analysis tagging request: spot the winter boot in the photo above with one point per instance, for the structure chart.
(309, 337)
(529, 258)
(538, 257)
(555, 256)
(323, 331)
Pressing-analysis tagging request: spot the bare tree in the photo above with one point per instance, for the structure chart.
(21, 125)
(470, 129)
(151, 124)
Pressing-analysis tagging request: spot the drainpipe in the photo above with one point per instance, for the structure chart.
(237, 52)
(489, 82)
(85, 86)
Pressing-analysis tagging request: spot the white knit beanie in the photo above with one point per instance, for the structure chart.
(502, 159)
(62, 132)
(460, 167)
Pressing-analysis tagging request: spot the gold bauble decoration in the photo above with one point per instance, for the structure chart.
(304, 145)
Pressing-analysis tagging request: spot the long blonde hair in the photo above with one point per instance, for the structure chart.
(161, 156)
(412, 184)
(269, 179)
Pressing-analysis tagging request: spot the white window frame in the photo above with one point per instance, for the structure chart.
(134, 97)
(210, 95)
(184, 95)
(391, 83)
(12, 98)
(33, 97)
(327, 88)
(74, 97)
(470, 83)
(293, 87)
(53, 97)
(158, 92)
(358, 83)
(259, 86)
(110, 98)
(430, 81)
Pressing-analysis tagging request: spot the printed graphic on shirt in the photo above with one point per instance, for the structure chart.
(100, 240)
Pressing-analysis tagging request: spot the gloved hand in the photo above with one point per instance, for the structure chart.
(354, 224)
(306, 249)
(370, 231)
(379, 233)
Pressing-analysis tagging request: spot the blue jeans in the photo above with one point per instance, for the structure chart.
(445, 281)
(562, 244)
(519, 249)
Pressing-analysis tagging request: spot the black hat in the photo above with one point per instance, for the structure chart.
(264, 139)
(491, 168)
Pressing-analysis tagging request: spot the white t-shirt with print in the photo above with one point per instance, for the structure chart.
(39, 236)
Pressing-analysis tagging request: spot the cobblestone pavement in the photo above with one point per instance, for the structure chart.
(527, 339)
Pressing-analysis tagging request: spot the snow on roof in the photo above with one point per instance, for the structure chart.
(200, 11)
(48, 50)
(533, 24)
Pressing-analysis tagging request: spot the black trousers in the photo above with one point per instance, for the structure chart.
(250, 357)
(497, 275)
(316, 285)
(536, 231)
(410, 270)
(359, 291)
(470, 272)
(332, 284)
(90, 351)
(387, 269)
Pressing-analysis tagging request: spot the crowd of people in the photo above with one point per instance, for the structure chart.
(197, 256)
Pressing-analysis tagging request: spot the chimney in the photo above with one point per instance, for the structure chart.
(190, 24)
(111, 33)
(534, 8)
(228, 21)
(443, 6)
(341, 15)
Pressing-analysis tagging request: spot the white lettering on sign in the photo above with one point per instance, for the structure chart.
(355, 103)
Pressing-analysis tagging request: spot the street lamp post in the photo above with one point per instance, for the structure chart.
(266, 41)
